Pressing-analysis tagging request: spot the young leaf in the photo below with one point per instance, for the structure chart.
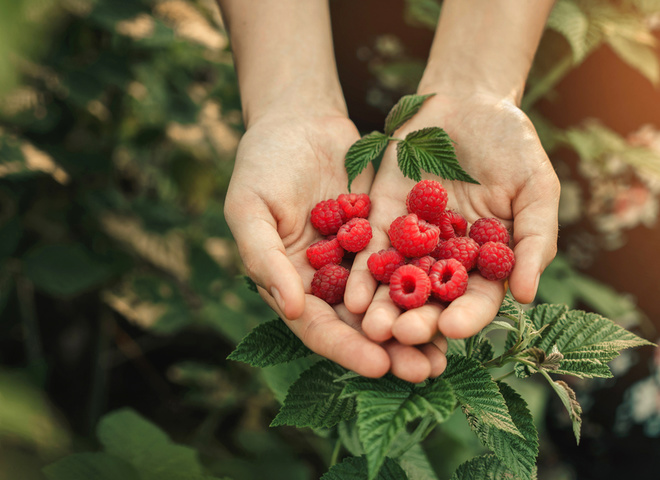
(369, 148)
(431, 150)
(315, 400)
(569, 399)
(385, 406)
(355, 468)
(403, 111)
(269, 344)
(484, 467)
(478, 394)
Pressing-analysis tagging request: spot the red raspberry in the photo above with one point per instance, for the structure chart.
(382, 264)
(410, 287)
(452, 224)
(413, 237)
(463, 249)
(449, 279)
(427, 200)
(355, 234)
(325, 251)
(496, 260)
(327, 217)
(489, 230)
(354, 205)
(329, 283)
(425, 263)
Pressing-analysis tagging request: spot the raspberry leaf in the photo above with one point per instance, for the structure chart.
(403, 111)
(369, 148)
(430, 149)
(269, 344)
(484, 467)
(355, 468)
(316, 399)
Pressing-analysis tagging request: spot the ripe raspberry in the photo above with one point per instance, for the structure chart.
(410, 287)
(329, 283)
(452, 224)
(463, 249)
(489, 230)
(355, 234)
(427, 200)
(425, 263)
(413, 237)
(327, 217)
(496, 260)
(325, 251)
(354, 205)
(449, 279)
(382, 264)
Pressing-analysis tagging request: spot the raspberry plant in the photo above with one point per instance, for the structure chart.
(381, 422)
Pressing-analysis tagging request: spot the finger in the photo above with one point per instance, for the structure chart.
(472, 311)
(535, 237)
(322, 330)
(418, 325)
(265, 258)
(436, 358)
(408, 363)
(377, 322)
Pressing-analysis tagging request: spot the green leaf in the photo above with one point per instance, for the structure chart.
(369, 148)
(65, 270)
(641, 57)
(483, 351)
(385, 406)
(269, 344)
(479, 396)
(572, 23)
(128, 436)
(484, 467)
(416, 464)
(88, 466)
(569, 399)
(315, 400)
(431, 150)
(403, 111)
(355, 468)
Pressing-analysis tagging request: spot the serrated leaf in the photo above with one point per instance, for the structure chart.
(269, 344)
(355, 468)
(386, 405)
(128, 436)
(430, 149)
(478, 394)
(416, 464)
(369, 148)
(484, 467)
(249, 283)
(315, 400)
(572, 23)
(569, 399)
(403, 111)
(483, 351)
(86, 466)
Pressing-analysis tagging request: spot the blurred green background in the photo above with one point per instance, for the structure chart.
(121, 291)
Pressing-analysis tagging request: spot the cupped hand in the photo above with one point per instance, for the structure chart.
(285, 165)
(497, 145)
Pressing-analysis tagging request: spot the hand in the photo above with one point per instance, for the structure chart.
(285, 165)
(498, 146)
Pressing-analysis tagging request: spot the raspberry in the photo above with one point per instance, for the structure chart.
(463, 249)
(382, 264)
(489, 230)
(425, 263)
(327, 216)
(354, 205)
(329, 283)
(449, 279)
(410, 287)
(413, 237)
(452, 224)
(496, 260)
(325, 251)
(427, 200)
(355, 234)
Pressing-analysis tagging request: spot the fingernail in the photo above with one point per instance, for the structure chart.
(278, 298)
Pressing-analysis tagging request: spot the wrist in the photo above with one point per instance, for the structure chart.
(464, 85)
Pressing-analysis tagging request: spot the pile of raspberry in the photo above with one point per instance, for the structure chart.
(431, 254)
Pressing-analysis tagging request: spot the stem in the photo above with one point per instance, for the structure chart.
(502, 377)
(335, 453)
(395, 139)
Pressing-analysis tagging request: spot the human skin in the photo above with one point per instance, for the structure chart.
(477, 68)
